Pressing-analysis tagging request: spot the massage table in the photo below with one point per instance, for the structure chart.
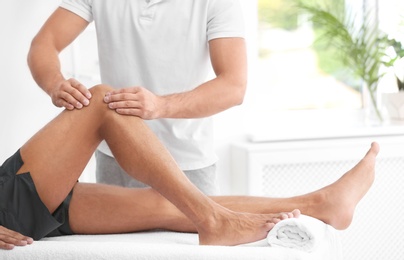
(322, 243)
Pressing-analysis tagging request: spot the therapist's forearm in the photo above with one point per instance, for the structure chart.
(44, 63)
(206, 100)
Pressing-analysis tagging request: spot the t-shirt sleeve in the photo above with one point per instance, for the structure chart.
(225, 19)
(80, 7)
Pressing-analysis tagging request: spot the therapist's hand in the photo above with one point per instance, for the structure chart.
(135, 101)
(9, 239)
(70, 94)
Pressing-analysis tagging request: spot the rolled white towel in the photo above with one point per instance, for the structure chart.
(304, 233)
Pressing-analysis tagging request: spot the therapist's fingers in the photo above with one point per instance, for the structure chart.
(85, 93)
(135, 101)
(123, 94)
(71, 94)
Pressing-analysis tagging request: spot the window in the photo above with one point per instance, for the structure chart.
(294, 71)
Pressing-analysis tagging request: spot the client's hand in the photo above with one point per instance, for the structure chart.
(9, 239)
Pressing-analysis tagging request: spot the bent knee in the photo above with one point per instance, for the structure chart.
(100, 90)
(98, 93)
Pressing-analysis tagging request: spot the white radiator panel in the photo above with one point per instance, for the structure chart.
(284, 169)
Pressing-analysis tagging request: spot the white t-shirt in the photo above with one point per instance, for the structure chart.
(162, 45)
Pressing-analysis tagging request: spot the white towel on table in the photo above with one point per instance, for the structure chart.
(304, 233)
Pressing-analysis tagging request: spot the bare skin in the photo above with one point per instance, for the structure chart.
(173, 203)
(334, 204)
(58, 153)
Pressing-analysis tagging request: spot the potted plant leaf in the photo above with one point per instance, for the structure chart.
(394, 101)
(360, 44)
(400, 84)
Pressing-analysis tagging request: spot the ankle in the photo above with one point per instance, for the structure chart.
(337, 213)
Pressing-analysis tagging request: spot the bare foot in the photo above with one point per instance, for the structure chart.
(230, 228)
(336, 203)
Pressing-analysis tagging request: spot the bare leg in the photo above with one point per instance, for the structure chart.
(128, 210)
(57, 154)
(100, 209)
(334, 204)
(134, 210)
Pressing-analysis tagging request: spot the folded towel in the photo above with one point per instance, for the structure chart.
(304, 233)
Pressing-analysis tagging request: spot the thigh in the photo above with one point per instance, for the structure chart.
(21, 209)
(57, 154)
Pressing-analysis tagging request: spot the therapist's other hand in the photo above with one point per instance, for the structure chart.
(134, 101)
(70, 94)
(9, 239)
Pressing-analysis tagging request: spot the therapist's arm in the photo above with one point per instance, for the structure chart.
(227, 89)
(229, 61)
(60, 30)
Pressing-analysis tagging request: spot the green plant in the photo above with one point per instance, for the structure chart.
(398, 54)
(400, 84)
(278, 13)
(360, 45)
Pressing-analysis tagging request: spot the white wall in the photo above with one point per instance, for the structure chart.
(25, 108)
(233, 124)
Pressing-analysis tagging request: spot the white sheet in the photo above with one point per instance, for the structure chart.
(163, 245)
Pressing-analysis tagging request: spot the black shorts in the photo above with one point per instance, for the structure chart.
(22, 210)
